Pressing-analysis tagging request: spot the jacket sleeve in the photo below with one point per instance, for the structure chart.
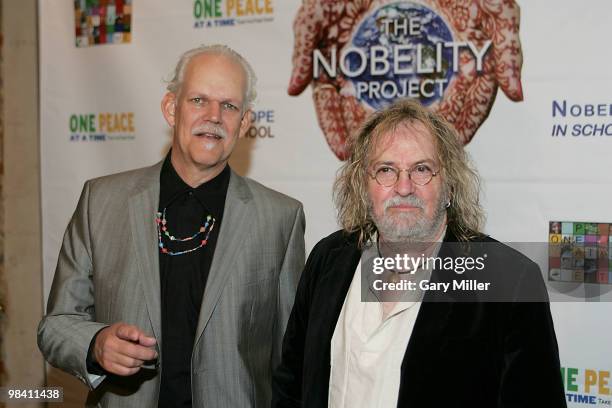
(65, 333)
(292, 266)
(531, 372)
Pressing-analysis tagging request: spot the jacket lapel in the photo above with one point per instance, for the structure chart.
(429, 331)
(326, 305)
(336, 280)
(435, 310)
(142, 208)
(237, 219)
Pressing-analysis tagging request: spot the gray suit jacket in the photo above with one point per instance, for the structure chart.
(108, 272)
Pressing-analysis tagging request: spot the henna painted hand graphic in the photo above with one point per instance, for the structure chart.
(325, 25)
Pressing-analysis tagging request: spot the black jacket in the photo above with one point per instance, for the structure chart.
(460, 354)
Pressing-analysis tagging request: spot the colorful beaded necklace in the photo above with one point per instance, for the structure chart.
(162, 226)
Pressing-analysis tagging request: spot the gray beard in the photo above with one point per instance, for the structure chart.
(394, 229)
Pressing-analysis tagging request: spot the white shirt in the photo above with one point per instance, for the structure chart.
(367, 349)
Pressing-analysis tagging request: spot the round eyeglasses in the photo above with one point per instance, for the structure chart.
(420, 174)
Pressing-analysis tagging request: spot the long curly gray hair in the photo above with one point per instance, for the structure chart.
(465, 216)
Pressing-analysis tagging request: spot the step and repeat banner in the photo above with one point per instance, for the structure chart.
(526, 84)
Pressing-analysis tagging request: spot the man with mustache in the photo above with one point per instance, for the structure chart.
(175, 282)
(408, 189)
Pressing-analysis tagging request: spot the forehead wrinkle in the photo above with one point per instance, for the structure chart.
(394, 163)
(209, 59)
(245, 77)
(201, 94)
(384, 137)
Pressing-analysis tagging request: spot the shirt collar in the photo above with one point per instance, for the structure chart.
(173, 186)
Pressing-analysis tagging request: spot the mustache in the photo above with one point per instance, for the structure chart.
(209, 128)
(410, 200)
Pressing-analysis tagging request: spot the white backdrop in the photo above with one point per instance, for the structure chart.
(529, 176)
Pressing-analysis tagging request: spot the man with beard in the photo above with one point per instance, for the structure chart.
(409, 188)
(175, 282)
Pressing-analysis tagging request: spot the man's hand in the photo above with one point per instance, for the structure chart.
(326, 24)
(122, 349)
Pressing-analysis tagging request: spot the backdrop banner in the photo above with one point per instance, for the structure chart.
(526, 84)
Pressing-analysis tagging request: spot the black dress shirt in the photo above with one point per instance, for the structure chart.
(183, 277)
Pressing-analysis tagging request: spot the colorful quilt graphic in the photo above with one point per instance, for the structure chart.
(580, 252)
(102, 22)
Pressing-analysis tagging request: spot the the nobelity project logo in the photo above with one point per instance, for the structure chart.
(361, 56)
(403, 50)
(227, 13)
(102, 127)
(581, 120)
(587, 386)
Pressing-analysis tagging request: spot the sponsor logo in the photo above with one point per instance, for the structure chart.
(227, 13)
(262, 124)
(580, 252)
(102, 127)
(102, 22)
(579, 120)
(585, 386)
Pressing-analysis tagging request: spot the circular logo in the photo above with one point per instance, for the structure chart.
(400, 50)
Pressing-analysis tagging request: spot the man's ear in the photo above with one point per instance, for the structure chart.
(246, 122)
(168, 107)
(449, 197)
